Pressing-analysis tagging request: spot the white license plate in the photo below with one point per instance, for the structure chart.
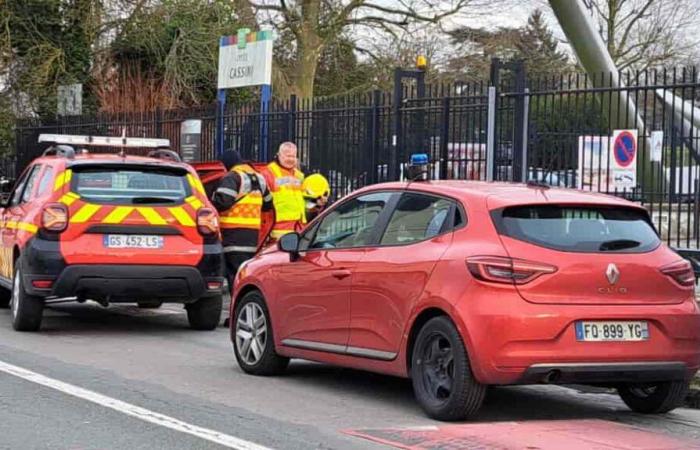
(612, 331)
(132, 241)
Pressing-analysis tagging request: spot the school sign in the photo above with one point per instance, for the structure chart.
(245, 60)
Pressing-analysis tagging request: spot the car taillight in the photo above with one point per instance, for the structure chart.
(681, 271)
(498, 269)
(207, 221)
(54, 217)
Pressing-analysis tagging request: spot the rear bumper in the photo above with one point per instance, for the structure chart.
(593, 373)
(515, 342)
(42, 260)
(131, 282)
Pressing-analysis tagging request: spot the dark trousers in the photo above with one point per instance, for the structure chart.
(233, 262)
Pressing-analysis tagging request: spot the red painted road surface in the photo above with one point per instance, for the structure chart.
(535, 435)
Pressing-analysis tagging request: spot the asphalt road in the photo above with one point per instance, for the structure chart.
(97, 378)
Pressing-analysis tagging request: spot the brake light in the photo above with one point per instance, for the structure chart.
(207, 222)
(54, 217)
(498, 269)
(681, 272)
(42, 284)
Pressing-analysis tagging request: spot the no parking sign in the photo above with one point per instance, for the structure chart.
(623, 163)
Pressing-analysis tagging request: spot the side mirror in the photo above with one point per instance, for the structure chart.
(289, 243)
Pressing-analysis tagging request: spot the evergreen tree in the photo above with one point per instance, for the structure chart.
(539, 48)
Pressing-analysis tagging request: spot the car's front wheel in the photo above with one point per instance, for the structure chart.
(441, 375)
(654, 398)
(205, 313)
(252, 335)
(27, 310)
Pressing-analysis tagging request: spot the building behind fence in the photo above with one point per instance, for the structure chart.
(508, 129)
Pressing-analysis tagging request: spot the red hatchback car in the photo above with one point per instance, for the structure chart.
(462, 285)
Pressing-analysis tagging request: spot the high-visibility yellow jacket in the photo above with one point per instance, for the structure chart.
(247, 211)
(287, 197)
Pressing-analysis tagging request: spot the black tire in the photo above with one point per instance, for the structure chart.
(205, 313)
(5, 297)
(150, 305)
(27, 310)
(442, 379)
(267, 362)
(654, 398)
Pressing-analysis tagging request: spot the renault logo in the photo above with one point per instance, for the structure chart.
(613, 273)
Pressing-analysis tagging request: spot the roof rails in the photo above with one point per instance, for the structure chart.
(62, 151)
(104, 141)
(165, 154)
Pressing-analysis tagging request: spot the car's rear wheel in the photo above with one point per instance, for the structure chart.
(252, 335)
(654, 398)
(27, 310)
(441, 375)
(205, 313)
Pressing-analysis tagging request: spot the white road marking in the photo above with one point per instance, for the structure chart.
(131, 410)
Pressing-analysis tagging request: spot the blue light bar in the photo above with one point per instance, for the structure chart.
(419, 159)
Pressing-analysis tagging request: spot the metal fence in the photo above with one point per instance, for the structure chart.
(508, 128)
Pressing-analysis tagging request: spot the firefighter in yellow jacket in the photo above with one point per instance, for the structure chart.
(240, 198)
(285, 183)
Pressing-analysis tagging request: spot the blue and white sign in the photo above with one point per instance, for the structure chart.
(624, 162)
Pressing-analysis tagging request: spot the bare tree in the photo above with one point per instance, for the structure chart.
(313, 24)
(646, 33)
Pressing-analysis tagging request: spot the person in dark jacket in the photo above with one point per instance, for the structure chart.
(240, 198)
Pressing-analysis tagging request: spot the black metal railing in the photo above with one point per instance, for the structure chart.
(508, 129)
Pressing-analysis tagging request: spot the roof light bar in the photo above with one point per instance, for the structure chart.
(104, 141)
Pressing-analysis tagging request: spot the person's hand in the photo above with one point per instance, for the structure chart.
(322, 201)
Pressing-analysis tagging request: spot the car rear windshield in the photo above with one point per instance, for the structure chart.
(590, 229)
(130, 185)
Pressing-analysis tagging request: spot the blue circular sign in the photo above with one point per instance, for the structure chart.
(625, 148)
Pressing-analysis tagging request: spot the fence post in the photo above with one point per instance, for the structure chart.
(397, 138)
(526, 132)
(292, 119)
(491, 135)
(519, 125)
(375, 126)
(444, 137)
(159, 122)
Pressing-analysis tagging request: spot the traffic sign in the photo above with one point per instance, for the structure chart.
(625, 148)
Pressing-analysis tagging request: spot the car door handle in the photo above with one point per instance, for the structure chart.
(340, 274)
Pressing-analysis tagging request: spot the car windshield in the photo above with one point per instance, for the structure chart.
(580, 229)
(130, 185)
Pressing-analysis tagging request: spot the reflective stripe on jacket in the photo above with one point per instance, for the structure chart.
(247, 211)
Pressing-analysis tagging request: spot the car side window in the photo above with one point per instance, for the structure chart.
(418, 217)
(19, 187)
(350, 224)
(45, 180)
(31, 182)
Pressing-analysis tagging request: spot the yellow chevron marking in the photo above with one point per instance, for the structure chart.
(118, 214)
(85, 213)
(181, 215)
(194, 202)
(196, 183)
(68, 198)
(152, 216)
(62, 179)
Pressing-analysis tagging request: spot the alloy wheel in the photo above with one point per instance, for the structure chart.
(251, 333)
(437, 369)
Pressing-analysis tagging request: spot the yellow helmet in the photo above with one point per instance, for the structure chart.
(316, 186)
